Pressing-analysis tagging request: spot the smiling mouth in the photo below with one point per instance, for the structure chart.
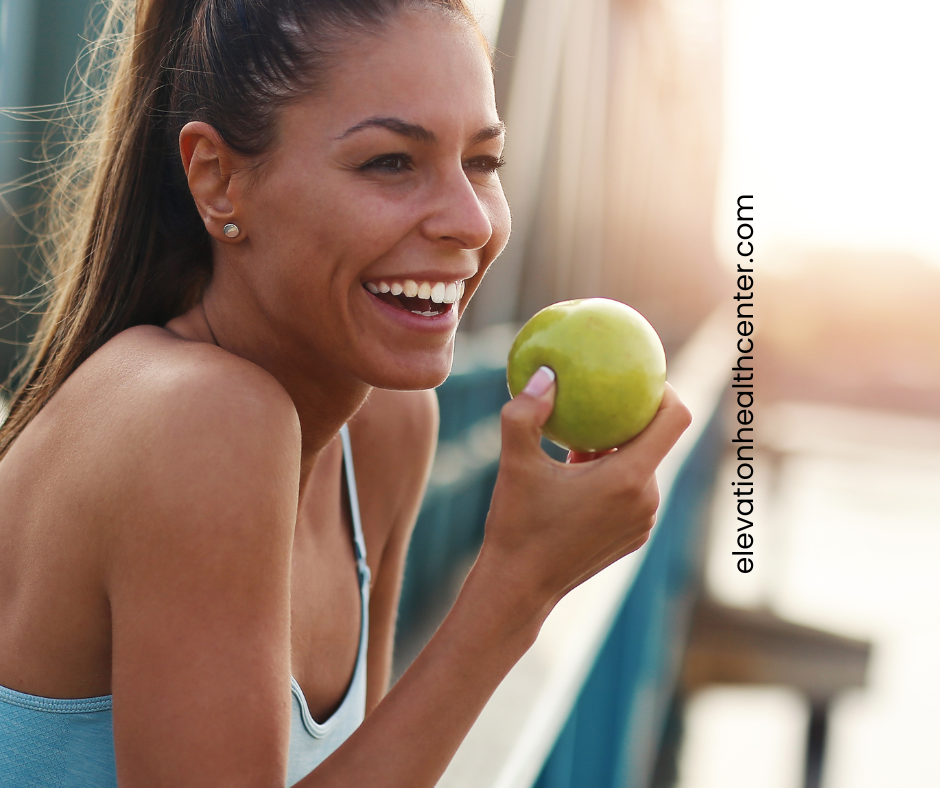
(417, 306)
(422, 299)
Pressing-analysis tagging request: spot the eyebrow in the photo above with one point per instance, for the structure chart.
(419, 133)
(489, 132)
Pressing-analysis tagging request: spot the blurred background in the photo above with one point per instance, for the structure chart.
(634, 125)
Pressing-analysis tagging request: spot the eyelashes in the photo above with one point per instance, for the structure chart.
(400, 162)
(388, 162)
(489, 164)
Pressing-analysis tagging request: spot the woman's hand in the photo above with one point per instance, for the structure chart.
(553, 525)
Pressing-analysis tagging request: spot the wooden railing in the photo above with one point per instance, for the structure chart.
(586, 705)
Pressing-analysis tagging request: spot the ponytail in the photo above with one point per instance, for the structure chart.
(113, 259)
(124, 242)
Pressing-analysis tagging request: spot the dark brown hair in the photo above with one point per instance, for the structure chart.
(124, 243)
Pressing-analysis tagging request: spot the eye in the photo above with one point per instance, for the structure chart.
(487, 164)
(389, 162)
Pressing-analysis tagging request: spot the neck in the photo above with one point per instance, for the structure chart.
(322, 409)
(324, 397)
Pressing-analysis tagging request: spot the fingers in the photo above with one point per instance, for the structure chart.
(647, 450)
(523, 417)
(574, 457)
(564, 526)
(654, 442)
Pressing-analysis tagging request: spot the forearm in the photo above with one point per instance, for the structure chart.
(409, 739)
(550, 527)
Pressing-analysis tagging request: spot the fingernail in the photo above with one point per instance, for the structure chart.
(540, 382)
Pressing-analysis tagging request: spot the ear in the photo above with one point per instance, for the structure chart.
(209, 164)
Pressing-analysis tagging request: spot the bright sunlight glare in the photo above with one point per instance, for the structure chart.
(832, 121)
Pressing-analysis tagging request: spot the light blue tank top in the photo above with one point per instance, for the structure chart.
(50, 743)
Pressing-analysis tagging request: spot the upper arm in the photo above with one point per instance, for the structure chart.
(394, 438)
(198, 581)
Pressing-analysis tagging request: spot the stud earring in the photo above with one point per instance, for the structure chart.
(231, 230)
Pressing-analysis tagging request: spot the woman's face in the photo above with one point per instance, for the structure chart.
(385, 182)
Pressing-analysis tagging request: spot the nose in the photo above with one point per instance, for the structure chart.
(457, 215)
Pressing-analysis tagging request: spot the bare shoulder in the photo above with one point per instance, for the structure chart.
(156, 493)
(154, 385)
(396, 428)
(394, 436)
(149, 373)
(205, 449)
(160, 421)
(393, 416)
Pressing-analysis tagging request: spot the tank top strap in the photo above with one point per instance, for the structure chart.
(350, 473)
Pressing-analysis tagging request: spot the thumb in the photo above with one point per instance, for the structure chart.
(523, 417)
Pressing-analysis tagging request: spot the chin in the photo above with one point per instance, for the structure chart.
(413, 374)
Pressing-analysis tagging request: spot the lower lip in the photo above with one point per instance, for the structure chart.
(446, 321)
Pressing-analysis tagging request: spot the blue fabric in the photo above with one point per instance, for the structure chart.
(51, 743)
(61, 743)
(311, 742)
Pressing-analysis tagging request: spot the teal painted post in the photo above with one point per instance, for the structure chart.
(612, 735)
(39, 43)
(449, 530)
(17, 30)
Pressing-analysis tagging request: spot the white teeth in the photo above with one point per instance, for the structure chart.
(438, 292)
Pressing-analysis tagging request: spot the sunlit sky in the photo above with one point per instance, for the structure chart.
(832, 121)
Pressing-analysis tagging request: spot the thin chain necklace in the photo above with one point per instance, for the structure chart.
(211, 332)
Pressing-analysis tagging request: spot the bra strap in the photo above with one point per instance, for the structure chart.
(358, 540)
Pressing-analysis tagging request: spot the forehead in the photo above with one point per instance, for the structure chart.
(424, 66)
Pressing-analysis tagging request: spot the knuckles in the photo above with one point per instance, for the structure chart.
(679, 413)
(516, 417)
(633, 486)
(651, 500)
(683, 417)
(535, 496)
(519, 427)
(525, 413)
(512, 417)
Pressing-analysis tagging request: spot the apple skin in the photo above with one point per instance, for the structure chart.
(610, 370)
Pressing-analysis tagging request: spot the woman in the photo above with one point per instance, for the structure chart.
(290, 204)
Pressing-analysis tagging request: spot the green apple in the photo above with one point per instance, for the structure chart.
(609, 365)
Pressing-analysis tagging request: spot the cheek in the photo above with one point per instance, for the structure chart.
(497, 209)
(357, 226)
(331, 234)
